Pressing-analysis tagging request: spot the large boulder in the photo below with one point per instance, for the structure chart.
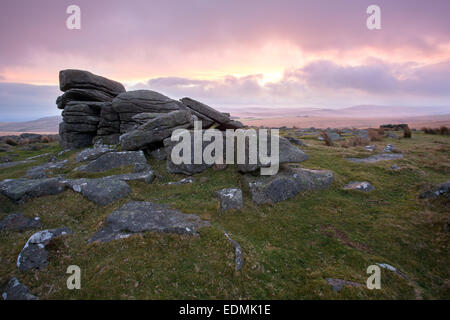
(80, 79)
(155, 130)
(20, 190)
(287, 183)
(34, 255)
(137, 217)
(112, 160)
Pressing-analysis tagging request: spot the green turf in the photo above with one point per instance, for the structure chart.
(289, 248)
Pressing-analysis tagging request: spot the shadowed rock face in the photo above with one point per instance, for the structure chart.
(14, 290)
(34, 255)
(155, 130)
(136, 217)
(22, 189)
(80, 79)
(441, 190)
(286, 184)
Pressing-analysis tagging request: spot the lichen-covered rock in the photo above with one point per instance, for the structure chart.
(14, 290)
(23, 189)
(18, 222)
(137, 217)
(287, 183)
(230, 198)
(34, 255)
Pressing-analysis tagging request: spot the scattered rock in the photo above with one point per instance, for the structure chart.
(182, 181)
(338, 284)
(389, 148)
(14, 290)
(395, 167)
(34, 255)
(137, 217)
(101, 191)
(393, 269)
(238, 259)
(44, 170)
(296, 141)
(18, 222)
(230, 198)
(112, 160)
(377, 158)
(22, 189)
(371, 147)
(441, 190)
(361, 186)
(286, 184)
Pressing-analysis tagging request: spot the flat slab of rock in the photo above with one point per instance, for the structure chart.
(14, 290)
(45, 169)
(360, 186)
(18, 222)
(287, 183)
(112, 160)
(80, 79)
(205, 112)
(34, 255)
(238, 259)
(155, 130)
(5, 165)
(101, 191)
(230, 198)
(22, 189)
(92, 153)
(377, 158)
(137, 217)
(338, 284)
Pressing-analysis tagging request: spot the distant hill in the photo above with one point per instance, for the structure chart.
(47, 125)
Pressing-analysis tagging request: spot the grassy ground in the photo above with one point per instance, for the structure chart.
(289, 248)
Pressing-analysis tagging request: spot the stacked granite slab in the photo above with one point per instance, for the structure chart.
(96, 108)
(85, 96)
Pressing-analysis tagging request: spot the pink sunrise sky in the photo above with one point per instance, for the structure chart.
(230, 53)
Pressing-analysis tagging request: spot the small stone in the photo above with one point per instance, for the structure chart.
(360, 186)
(230, 198)
(338, 284)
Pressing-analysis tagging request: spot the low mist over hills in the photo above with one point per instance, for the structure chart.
(358, 116)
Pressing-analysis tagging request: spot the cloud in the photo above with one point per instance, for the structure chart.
(19, 102)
